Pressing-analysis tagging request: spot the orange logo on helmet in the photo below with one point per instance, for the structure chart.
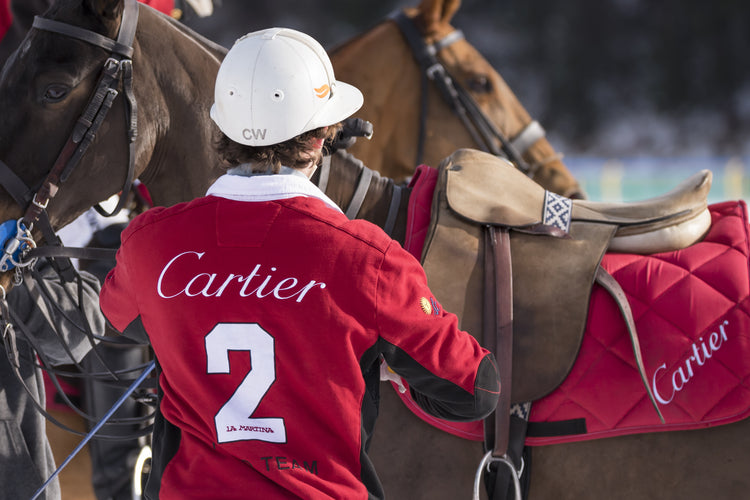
(322, 91)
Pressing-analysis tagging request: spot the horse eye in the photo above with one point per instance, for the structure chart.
(480, 84)
(55, 92)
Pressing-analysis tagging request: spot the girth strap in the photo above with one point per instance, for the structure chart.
(366, 177)
(325, 173)
(390, 221)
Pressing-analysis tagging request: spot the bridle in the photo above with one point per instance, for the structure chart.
(476, 122)
(17, 244)
(366, 176)
(117, 71)
(463, 104)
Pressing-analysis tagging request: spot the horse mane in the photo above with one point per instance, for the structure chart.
(217, 50)
(343, 44)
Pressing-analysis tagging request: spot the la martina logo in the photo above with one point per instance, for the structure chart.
(703, 351)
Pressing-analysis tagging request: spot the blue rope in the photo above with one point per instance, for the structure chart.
(98, 426)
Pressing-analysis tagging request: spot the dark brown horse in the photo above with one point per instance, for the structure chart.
(44, 88)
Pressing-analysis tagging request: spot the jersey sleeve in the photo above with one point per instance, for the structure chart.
(450, 375)
(116, 301)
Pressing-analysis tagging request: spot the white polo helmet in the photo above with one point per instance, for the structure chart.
(276, 84)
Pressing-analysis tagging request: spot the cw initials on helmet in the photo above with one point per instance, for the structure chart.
(276, 84)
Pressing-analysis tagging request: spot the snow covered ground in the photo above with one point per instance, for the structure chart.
(637, 178)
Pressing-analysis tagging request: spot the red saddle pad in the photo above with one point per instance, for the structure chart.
(692, 314)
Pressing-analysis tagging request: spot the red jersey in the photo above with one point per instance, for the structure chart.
(268, 311)
(5, 17)
(165, 6)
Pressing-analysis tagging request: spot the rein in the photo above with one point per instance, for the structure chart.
(497, 318)
(481, 128)
(351, 129)
(366, 177)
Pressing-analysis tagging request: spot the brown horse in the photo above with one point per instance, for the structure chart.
(415, 460)
(45, 86)
(383, 65)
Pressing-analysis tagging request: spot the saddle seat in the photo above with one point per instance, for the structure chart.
(490, 190)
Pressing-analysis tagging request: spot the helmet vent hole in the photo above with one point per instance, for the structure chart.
(277, 95)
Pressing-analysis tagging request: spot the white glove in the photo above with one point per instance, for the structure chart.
(203, 8)
(386, 374)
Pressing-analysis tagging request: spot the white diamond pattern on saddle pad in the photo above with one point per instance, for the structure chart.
(521, 410)
(558, 211)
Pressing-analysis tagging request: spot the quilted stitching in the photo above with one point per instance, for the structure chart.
(678, 300)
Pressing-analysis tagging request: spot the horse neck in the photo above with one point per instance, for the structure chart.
(511, 118)
(391, 97)
(346, 174)
(176, 92)
(543, 160)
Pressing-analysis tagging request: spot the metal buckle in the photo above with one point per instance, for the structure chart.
(35, 202)
(16, 247)
(435, 69)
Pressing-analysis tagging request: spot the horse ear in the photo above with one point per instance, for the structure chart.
(432, 14)
(105, 9)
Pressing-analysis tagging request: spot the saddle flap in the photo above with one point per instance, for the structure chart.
(551, 276)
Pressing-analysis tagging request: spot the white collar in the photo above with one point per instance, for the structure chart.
(267, 188)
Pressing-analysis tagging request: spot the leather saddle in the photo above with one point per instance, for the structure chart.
(548, 264)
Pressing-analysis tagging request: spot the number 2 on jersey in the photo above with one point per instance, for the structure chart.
(233, 421)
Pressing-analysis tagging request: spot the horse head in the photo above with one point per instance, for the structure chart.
(383, 65)
(151, 122)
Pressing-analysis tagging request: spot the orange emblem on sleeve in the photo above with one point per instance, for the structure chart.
(424, 303)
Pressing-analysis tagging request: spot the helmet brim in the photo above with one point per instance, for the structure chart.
(345, 100)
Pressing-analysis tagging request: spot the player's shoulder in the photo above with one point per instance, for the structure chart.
(158, 215)
(368, 233)
(352, 231)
